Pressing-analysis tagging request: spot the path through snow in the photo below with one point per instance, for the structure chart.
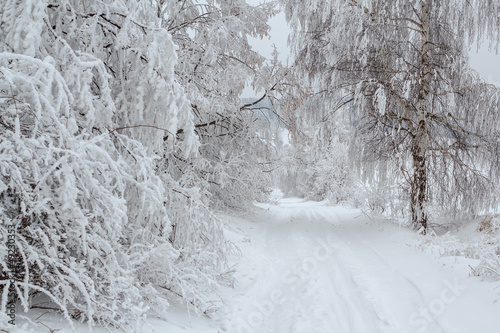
(308, 267)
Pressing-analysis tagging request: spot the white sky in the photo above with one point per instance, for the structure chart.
(278, 36)
(486, 63)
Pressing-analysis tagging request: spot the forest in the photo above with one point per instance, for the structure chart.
(127, 149)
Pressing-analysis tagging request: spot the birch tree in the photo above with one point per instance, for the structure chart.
(416, 105)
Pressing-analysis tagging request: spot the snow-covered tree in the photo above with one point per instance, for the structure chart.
(317, 164)
(95, 124)
(416, 105)
(215, 63)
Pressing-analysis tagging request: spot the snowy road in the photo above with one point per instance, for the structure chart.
(308, 267)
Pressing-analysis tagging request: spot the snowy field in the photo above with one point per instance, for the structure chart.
(309, 267)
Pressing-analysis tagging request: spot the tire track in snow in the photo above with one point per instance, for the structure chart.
(315, 268)
(319, 293)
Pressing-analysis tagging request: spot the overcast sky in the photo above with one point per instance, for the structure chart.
(486, 63)
(278, 36)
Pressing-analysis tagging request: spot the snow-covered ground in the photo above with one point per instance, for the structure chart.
(309, 267)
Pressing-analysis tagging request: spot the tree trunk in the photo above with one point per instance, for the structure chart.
(418, 196)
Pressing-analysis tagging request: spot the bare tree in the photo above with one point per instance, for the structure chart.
(415, 102)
